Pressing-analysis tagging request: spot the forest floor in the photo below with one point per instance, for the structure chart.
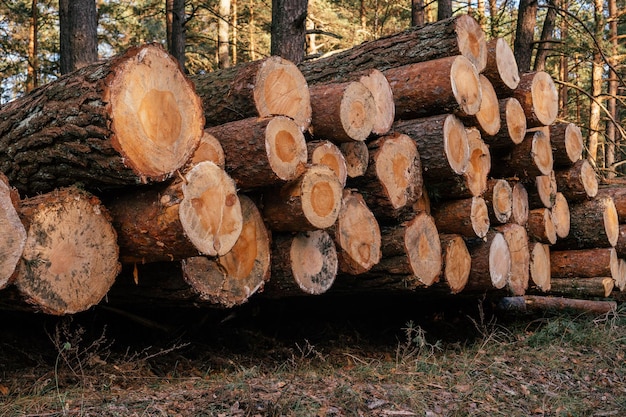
(321, 356)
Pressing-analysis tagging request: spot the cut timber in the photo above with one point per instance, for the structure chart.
(412, 248)
(302, 264)
(262, 152)
(268, 87)
(342, 112)
(310, 202)
(618, 194)
(577, 287)
(499, 200)
(128, 120)
(423, 203)
(393, 180)
(542, 303)
(541, 226)
(544, 192)
(567, 144)
(445, 85)
(479, 164)
(231, 279)
(620, 246)
(442, 143)
(487, 118)
(540, 266)
(539, 98)
(459, 35)
(357, 158)
(13, 232)
(200, 215)
(560, 216)
(512, 125)
(620, 280)
(517, 240)
(209, 149)
(385, 109)
(467, 217)
(501, 68)
(519, 210)
(529, 159)
(326, 153)
(578, 182)
(587, 263)
(491, 263)
(593, 224)
(457, 262)
(70, 259)
(357, 235)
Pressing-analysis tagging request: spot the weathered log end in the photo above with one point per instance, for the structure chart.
(544, 193)
(384, 107)
(13, 233)
(314, 261)
(357, 158)
(517, 240)
(423, 247)
(479, 216)
(471, 41)
(457, 262)
(540, 266)
(456, 144)
(499, 199)
(541, 226)
(519, 209)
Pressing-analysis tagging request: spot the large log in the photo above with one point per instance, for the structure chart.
(501, 68)
(200, 214)
(13, 232)
(539, 98)
(567, 144)
(540, 273)
(517, 241)
(487, 118)
(587, 263)
(445, 85)
(262, 152)
(70, 258)
(459, 35)
(326, 153)
(267, 87)
(128, 120)
(578, 182)
(542, 303)
(231, 279)
(467, 217)
(491, 263)
(499, 200)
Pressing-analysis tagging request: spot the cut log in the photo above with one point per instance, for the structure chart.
(517, 240)
(560, 216)
(618, 194)
(479, 164)
(487, 118)
(231, 279)
(326, 153)
(262, 152)
(542, 303)
(457, 262)
(393, 180)
(567, 144)
(620, 280)
(587, 263)
(519, 210)
(209, 149)
(445, 85)
(423, 203)
(512, 126)
(540, 226)
(576, 287)
(70, 259)
(310, 202)
(357, 235)
(539, 98)
(198, 215)
(131, 119)
(491, 263)
(304, 264)
(343, 112)
(501, 68)
(499, 200)
(468, 217)
(13, 232)
(385, 110)
(268, 87)
(593, 224)
(459, 35)
(620, 246)
(544, 192)
(540, 266)
(443, 146)
(357, 158)
(578, 183)
(529, 159)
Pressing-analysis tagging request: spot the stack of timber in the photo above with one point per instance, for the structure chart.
(434, 167)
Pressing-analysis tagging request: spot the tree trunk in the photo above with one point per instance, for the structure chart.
(540, 266)
(288, 38)
(567, 144)
(417, 12)
(587, 263)
(577, 183)
(540, 226)
(32, 79)
(13, 231)
(223, 40)
(468, 217)
(326, 153)
(524, 34)
(125, 121)
(444, 9)
(612, 137)
(487, 118)
(269, 87)
(491, 263)
(517, 241)
(560, 216)
(357, 158)
(597, 71)
(537, 94)
(176, 19)
(501, 67)
(499, 199)
(78, 23)
(545, 42)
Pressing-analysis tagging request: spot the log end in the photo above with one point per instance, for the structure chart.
(488, 115)
(209, 149)
(357, 111)
(540, 266)
(479, 216)
(423, 248)
(471, 41)
(574, 143)
(502, 201)
(357, 158)
(611, 221)
(314, 261)
(385, 109)
(542, 152)
(506, 64)
(457, 262)
(327, 153)
(519, 210)
(561, 216)
(286, 148)
(321, 194)
(589, 179)
(466, 85)
(479, 164)
(499, 261)
(515, 120)
(13, 234)
(545, 98)
(456, 144)
(546, 187)
(517, 240)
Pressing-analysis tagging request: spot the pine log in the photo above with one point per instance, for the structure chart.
(479, 164)
(13, 232)
(268, 87)
(519, 210)
(310, 202)
(445, 85)
(457, 262)
(467, 217)
(540, 226)
(324, 152)
(618, 194)
(459, 35)
(70, 258)
(620, 280)
(593, 224)
(491, 263)
(501, 68)
(423, 203)
(231, 279)
(357, 158)
(128, 120)
(200, 214)
(560, 216)
(517, 241)
(499, 200)
(620, 246)
(512, 126)
(209, 149)
(567, 144)
(539, 98)
(304, 264)
(384, 107)
(540, 273)
(578, 183)
(443, 147)
(529, 159)
(581, 288)
(487, 118)
(356, 234)
(586, 263)
(542, 303)
(544, 192)
(393, 180)
(342, 112)
(262, 152)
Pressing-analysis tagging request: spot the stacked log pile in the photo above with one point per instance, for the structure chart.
(434, 166)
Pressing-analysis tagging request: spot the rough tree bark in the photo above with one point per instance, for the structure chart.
(78, 23)
(289, 29)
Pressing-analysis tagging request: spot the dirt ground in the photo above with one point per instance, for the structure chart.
(320, 356)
